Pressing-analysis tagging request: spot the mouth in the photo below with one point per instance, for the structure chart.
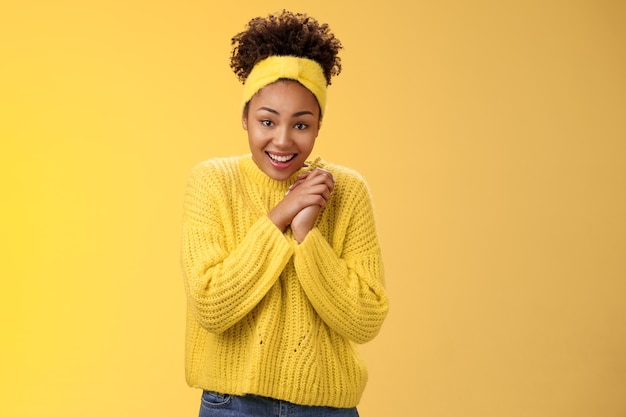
(281, 160)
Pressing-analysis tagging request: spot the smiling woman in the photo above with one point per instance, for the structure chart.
(282, 121)
(282, 264)
(492, 137)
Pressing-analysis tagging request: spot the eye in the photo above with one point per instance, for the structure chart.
(266, 123)
(301, 126)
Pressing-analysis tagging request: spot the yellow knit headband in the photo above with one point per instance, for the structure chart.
(306, 71)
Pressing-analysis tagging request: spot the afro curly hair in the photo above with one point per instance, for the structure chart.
(287, 33)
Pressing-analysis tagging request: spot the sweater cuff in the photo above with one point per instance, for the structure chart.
(308, 254)
(279, 242)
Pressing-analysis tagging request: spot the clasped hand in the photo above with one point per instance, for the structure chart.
(303, 202)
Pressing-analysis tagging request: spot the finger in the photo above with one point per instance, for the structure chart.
(327, 175)
(295, 184)
(320, 171)
(323, 191)
(321, 176)
(299, 181)
(304, 175)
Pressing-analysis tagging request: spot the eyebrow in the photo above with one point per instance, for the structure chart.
(296, 114)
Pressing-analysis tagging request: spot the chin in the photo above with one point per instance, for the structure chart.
(280, 176)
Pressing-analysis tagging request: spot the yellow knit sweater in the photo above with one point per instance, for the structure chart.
(269, 316)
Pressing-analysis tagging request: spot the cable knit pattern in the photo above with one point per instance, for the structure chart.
(269, 316)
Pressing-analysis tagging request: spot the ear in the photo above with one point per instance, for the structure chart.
(244, 121)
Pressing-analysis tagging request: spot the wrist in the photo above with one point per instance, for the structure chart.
(299, 236)
(278, 221)
(280, 217)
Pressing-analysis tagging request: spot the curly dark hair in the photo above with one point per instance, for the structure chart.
(287, 33)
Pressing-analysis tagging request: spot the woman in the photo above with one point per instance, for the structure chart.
(283, 270)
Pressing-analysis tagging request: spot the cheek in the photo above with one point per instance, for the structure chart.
(255, 139)
(308, 144)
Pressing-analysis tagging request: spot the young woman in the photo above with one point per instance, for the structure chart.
(282, 264)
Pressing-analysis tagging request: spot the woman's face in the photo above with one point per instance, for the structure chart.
(282, 121)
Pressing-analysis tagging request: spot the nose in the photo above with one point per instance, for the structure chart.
(282, 138)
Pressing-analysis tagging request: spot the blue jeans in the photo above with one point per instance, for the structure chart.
(224, 405)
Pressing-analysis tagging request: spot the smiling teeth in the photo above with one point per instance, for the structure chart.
(278, 158)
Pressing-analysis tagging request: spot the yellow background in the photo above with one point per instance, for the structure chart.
(492, 133)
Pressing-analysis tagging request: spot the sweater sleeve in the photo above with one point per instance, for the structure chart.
(346, 286)
(224, 285)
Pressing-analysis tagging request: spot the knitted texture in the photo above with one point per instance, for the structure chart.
(269, 316)
(306, 71)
